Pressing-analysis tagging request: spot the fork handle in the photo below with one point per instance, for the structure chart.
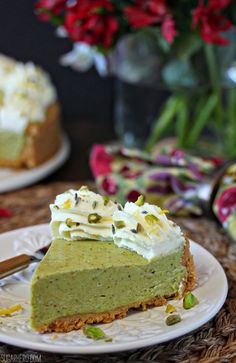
(15, 264)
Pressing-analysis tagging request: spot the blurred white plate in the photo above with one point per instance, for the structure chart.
(139, 329)
(11, 179)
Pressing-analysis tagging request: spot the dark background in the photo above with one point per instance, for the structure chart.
(86, 98)
(23, 36)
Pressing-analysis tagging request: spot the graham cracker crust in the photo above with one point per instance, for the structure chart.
(76, 322)
(42, 141)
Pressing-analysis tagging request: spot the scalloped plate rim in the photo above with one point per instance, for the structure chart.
(177, 332)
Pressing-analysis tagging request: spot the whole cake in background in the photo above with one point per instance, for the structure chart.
(29, 115)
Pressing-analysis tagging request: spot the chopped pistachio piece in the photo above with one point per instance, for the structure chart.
(139, 228)
(93, 332)
(106, 199)
(108, 340)
(170, 309)
(119, 224)
(94, 204)
(140, 201)
(119, 207)
(69, 222)
(164, 211)
(189, 301)
(67, 204)
(173, 319)
(151, 219)
(10, 310)
(94, 218)
(77, 199)
(84, 187)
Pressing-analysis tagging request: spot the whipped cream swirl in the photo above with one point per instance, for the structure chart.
(146, 230)
(82, 214)
(26, 92)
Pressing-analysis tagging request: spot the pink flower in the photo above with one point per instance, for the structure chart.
(100, 161)
(226, 203)
(109, 186)
(168, 29)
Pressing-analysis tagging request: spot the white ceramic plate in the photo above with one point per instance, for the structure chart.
(138, 329)
(11, 179)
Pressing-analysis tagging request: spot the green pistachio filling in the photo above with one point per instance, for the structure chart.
(11, 144)
(115, 276)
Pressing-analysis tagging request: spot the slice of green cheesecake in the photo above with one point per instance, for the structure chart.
(81, 282)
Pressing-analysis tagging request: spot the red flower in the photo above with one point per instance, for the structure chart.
(92, 22)
(151, 12)
(212, 22)
(100, 161)
(226, 203)
(46, 8)
(109, 186)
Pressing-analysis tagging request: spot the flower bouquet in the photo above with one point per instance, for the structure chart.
(196, 47)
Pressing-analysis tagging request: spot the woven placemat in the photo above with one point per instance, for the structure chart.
(213, 342)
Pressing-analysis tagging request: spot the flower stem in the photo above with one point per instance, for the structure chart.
(163, 121)
(215, 84)
(231, 115)
(182, 122)
(202, 119)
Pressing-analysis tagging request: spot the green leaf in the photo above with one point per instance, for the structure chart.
(231, 117)
(94, 332)
(57, 20)
(182, 122)
(163, 121)
(162, 43)
(202, 119)
(187, 46)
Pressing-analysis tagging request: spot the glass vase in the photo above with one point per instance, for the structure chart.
(139, 91)
(188, 94)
